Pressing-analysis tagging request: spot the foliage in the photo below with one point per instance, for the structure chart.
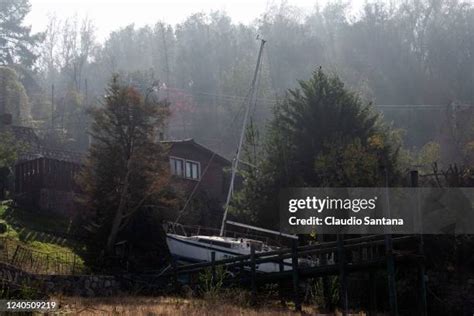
(146, 241)
(126, 167)
(323, 118)
(17, 44)
(429, 153)
(10, 149)
(457, 136)
(14, 98)
(250, 196)
(403, 53)
(28, 228)
(30, 221)
(211, 287)
(3, 227)
(70, 121)
(316, 291)
(321, 135)
(421, 159)
(23, 292)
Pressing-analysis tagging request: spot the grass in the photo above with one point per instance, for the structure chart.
(27, 228)
(166, 306)
(33, 227)
(34, 221)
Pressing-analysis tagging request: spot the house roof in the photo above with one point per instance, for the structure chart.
(24, 134)
(192, 142)
(35, 148)
(62, 155)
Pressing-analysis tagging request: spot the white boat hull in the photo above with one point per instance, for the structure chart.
(193, 251)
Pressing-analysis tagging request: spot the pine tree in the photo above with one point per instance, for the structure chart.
(320, 135)
(126, 167)
(10, 150)
(13, 97)
(16, 43)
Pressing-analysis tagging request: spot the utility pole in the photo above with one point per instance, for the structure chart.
(52, 106)
(83, 121)
(421, 264)
(3, 96)
(63, 109)
(85, 92)
(3, 102)
(242, 134)
(392, 285)
(167, 67)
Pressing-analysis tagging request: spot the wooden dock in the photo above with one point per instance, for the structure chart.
(341, 258)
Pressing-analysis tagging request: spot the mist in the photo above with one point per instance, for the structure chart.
(411, 59)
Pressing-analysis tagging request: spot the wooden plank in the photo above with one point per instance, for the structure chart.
(295, 273)
(175, 274)
(285, 254)
(281, 267)
(392, 286)
(341, 260)
(213, 268)
(253, 275)
(421, 264)
(372, 293)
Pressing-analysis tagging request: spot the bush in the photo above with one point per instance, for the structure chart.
(3, 227)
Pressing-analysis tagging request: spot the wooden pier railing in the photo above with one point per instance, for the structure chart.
(340, 257)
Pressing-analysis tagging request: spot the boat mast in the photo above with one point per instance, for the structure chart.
(242, 134)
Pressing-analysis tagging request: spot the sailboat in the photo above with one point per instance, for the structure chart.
(199, 248)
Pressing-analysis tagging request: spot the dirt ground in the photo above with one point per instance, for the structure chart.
(169, 306)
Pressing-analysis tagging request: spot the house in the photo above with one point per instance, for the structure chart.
(193, 165)
(47, 183)
(45, 179)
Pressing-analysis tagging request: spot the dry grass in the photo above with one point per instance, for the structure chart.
(165, 306)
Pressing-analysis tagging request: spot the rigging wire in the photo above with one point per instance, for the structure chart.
(191, 195)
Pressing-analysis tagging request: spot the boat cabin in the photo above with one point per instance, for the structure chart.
(232, 243)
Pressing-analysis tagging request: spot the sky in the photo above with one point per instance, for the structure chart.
(109, 15)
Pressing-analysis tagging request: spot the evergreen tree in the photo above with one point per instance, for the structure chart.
(13, 97)
(321, 135)
(16, 42)
(10, 150)
(126, 167)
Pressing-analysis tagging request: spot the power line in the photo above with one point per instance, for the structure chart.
(418, 106)
(223, 96)
(190, 93)
(240, 98)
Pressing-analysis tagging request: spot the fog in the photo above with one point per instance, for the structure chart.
(410, 58)
(110, 15)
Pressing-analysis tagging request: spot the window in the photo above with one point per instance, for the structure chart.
(177, 166)
(185, 168)
(215, 242)
(192, 170)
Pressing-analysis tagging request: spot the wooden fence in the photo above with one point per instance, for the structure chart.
(17, 254)
(340, 258)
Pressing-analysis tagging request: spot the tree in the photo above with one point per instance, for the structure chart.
(76, 46)
(16, 41)
(126, 167)
(320, 135)
(13, 97)
(10, 149)
(317, 117)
